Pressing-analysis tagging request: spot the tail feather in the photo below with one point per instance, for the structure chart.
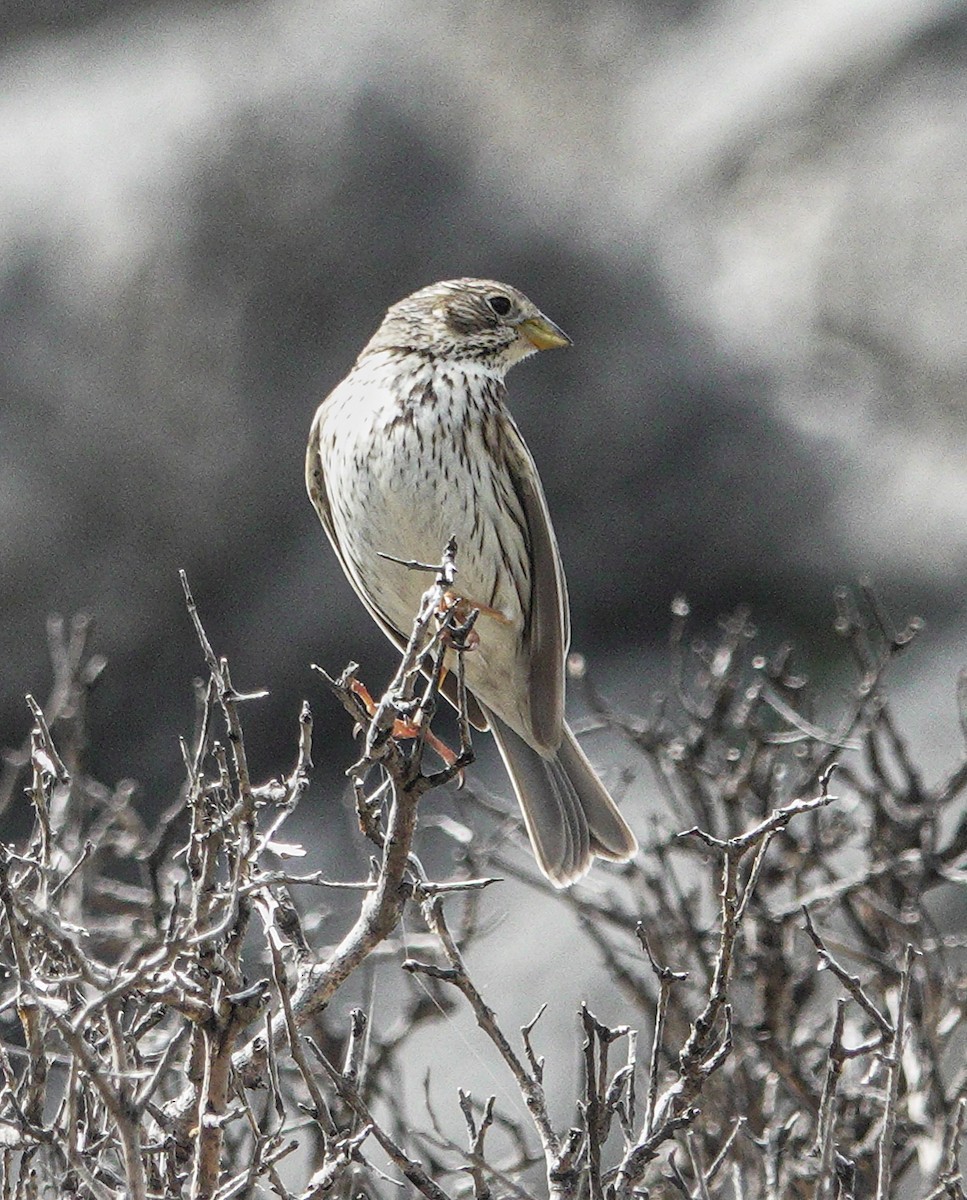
(569, 816)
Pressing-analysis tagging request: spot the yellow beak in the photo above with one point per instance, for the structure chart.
(543, 334)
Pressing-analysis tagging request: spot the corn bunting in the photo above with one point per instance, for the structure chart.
(416, 445)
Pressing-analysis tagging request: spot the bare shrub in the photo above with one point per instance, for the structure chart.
(794, 1010)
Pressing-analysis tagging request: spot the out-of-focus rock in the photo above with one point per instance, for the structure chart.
(749, 216)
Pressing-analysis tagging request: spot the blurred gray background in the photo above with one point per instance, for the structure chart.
(751, 217)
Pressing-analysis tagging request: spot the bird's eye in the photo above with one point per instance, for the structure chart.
(499, 304)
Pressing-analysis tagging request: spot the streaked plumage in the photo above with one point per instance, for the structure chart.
(416, 445)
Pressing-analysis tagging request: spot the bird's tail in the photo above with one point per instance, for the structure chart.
(570, 817)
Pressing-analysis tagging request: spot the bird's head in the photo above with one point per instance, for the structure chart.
(479, 321)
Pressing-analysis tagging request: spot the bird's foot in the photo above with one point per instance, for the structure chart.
(404, 728)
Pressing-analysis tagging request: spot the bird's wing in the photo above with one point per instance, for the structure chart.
(316, 487)
(547, 632)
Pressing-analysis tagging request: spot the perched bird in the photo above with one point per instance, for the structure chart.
(416, 445)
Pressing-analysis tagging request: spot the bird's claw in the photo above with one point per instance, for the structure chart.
(404, 727)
